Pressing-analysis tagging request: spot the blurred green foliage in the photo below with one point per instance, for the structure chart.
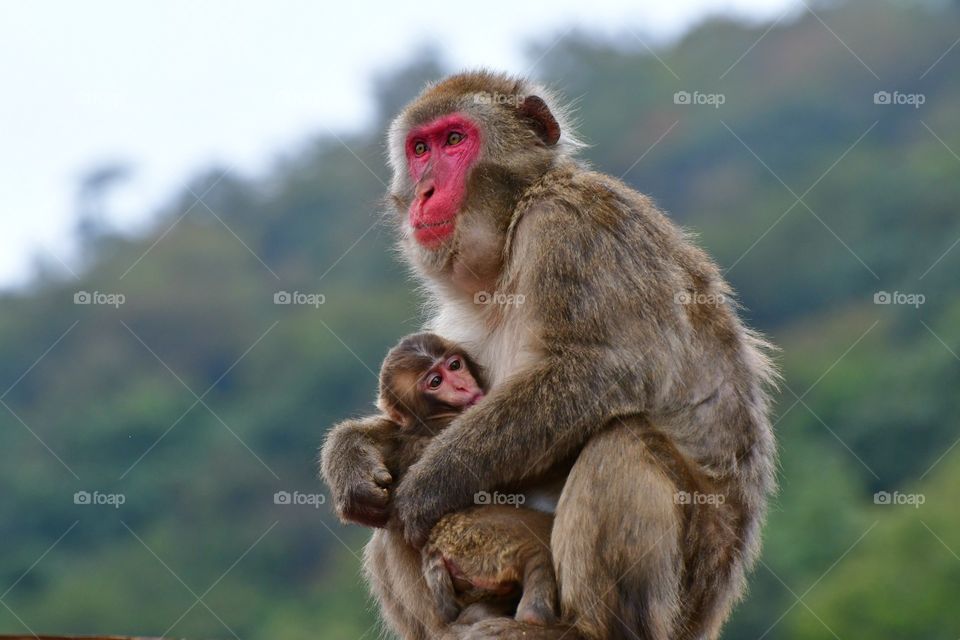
(199, 398)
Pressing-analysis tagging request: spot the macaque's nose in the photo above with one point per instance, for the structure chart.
(425, 190)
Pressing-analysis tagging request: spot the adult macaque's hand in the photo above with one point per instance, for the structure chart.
(417, 506)
(441, 482)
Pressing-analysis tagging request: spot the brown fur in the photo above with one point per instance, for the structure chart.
(399, 396)
(500, 554)
(494, 550)
(605, 364)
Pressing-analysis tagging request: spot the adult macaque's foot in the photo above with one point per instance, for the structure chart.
(538, 613)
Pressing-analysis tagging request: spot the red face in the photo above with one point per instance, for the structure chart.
(451, 382)
(439, 156)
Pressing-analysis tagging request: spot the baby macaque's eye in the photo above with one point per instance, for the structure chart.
(455, 364)
(435, 381)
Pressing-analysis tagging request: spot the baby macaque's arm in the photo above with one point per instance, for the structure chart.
(406, 449)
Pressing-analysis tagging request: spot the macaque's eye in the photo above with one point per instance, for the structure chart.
(454, 138)
(419, 148)
(455, 364)
(435, 381)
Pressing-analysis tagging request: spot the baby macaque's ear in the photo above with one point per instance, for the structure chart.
(402, 420)
(390, 410)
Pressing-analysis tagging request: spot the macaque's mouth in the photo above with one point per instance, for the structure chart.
(432, 233)
(433, 225)
(475, 399)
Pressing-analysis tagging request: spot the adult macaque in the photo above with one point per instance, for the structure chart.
(626, 357)
(492, 555)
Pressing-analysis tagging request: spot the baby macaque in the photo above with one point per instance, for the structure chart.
(425, 382)
(479, 561)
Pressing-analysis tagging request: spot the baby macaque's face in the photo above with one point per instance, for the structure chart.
(451, 382)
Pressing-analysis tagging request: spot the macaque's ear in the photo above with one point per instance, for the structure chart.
(398, 417)
(391, 412)
(546, 126)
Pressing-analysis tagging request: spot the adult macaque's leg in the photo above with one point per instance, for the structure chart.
(393, 570)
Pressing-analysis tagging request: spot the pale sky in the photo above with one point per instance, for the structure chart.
(173, 87)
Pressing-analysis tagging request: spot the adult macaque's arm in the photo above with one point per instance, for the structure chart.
(521, 430)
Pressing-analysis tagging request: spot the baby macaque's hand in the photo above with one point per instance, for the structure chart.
(367, 499)
(353, 463)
